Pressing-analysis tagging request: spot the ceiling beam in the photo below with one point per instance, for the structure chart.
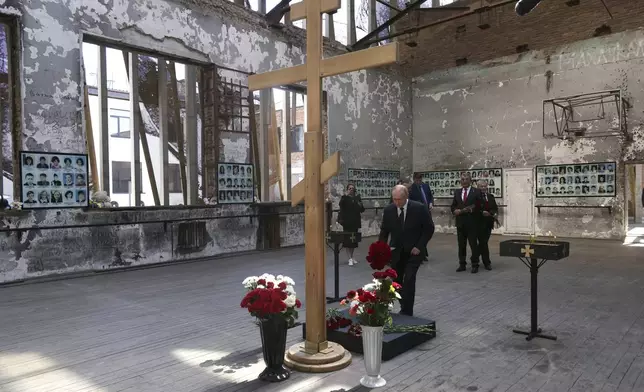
(364, 42)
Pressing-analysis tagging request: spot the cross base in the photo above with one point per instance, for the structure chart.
(335, 357)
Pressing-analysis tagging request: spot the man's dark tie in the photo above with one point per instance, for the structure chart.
(401, 218)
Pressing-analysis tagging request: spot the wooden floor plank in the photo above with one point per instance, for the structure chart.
(180, 328)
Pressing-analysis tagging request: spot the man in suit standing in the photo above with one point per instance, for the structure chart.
(422, 193)
(489, 211)
(464, 207)
(410, 227)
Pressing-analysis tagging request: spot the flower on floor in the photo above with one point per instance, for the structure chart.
(271, 296)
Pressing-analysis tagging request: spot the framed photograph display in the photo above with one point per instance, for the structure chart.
(235, 183)
(373, 183)
(576, 180)
(445, 182)
(53, 180)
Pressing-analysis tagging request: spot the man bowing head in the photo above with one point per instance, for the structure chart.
(409, 228)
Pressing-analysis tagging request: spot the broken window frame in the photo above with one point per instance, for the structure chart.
(14, 94)
(160, 189)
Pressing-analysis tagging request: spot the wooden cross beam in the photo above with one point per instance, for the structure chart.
(317, 172)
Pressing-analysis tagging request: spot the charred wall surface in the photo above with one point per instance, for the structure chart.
(491, 115)
(364, 108)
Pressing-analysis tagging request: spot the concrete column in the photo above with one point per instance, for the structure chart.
(135, 129)
(436, 3)
(286, 145)
(351, 22)
(103, 121)
(639, 184)
(392, 13)
(262, 139)
(329, 28)
(190, 125)
(261, 6)
(373, 22)
(164, 112)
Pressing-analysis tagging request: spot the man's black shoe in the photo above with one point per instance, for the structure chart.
(488, 267)
(475, 269)
(461, 268)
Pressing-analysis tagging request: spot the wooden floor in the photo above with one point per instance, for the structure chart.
(180, 328)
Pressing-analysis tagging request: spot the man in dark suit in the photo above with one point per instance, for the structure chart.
(422, 193)
(464, 207)
(489, 211)
(410, 227)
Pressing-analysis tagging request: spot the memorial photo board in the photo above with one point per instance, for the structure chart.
(53, 180)
(235, 183)
(576, 180)
(373, 183)
(445, 182)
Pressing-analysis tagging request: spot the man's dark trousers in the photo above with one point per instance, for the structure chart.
(468, 233)
(485, 233)
(407, 267)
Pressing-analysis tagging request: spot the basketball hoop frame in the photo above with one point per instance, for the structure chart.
(568, 126)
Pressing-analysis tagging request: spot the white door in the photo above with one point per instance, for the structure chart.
(519, 197)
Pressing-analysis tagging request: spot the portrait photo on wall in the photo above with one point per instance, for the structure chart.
(53, 180)
(235, 183)
(373, 183)
(576, 180)
(445, 182)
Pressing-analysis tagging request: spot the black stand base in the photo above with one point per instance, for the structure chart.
(532, 335)
(393, 344)
(275, 375)
(331, 300)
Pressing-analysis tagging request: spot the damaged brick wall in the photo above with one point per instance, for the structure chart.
(491, 115)
(498, 31)
(207, 31)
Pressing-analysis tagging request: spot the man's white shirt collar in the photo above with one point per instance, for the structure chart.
(405, 207)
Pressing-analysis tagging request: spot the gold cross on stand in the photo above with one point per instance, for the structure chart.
(527, 251)
(317, 354)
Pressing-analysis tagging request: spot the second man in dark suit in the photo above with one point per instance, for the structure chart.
(410, 227)
(489, 211)
(466, 209)
(422, 193)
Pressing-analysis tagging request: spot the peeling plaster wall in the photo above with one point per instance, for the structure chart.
(208, 31)
(370, 123)
(491, 115)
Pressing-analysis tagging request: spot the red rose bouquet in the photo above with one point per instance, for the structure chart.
(269, 296)
(379, 255)
(373, 303)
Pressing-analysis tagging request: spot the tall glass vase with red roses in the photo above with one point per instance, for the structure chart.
(271, 299)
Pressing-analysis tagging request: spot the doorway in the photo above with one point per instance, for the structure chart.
(634, 204)
(519, 197)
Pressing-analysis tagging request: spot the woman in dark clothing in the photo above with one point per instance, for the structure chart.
(350, 218)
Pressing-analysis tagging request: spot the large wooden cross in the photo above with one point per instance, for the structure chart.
(317, 171)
